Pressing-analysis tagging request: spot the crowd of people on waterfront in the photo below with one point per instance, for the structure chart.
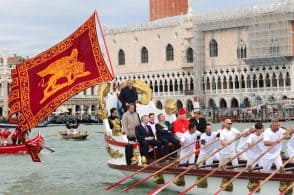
(194, 133)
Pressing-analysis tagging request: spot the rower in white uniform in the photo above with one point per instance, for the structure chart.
(226, 136)
(271, 136)
(205, 139)
(187, 139)
(256, 150)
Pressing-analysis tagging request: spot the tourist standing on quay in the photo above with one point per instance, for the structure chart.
(199, 121)
(128, 95)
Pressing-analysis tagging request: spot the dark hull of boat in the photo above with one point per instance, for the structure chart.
(202, 172)
(37, 142)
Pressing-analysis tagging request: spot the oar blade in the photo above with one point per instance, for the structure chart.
(117, 183)
(188, 189)
(137, 183)
(161, 187)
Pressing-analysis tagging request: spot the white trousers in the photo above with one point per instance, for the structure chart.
(202, 156)
(268, 161)
(223, 158)
(190, 159)
(252, 158)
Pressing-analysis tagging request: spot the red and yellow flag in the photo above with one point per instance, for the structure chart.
(41, 84)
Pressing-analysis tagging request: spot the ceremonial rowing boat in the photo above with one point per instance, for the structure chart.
(37, 143)
(116, 144)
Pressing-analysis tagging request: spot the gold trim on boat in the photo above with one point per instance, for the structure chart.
(158, 178)
(113, 153)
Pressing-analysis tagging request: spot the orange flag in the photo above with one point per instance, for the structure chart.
(43, 83)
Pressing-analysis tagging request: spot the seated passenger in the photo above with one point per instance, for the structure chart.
(164, 134)
(181, 125)
(152, 124)
(130, 120)
(113, 116)
(145, 136)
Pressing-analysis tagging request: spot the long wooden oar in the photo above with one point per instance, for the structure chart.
(143, 168)
(270, 176)
(246, 168)
(161, 187)
(287, 189)
(50, 149)
(220, 168)
(164, 168)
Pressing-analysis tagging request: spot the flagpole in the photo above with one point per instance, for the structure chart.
(104, 42)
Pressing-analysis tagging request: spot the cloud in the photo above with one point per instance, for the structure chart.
(28, 27)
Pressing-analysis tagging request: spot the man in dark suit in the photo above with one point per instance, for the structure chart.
(145, 136)
(164, 134)
(199, 121)
(128, 95)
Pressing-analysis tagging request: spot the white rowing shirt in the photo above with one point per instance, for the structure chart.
(208, 139)
(257, 149)
(228, 135)
(271, 136)
(188, 138)
(243, 142)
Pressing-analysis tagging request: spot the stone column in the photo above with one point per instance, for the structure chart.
(291, 72)
(82, 111)
(73, 110)
(5, 83)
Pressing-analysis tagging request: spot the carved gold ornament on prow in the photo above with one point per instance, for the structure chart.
(142, 88)
(103, 90)
(171, 106)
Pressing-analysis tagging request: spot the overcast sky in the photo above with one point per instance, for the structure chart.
(28, 27)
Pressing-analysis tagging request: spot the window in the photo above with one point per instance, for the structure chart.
(169, 53)
(121, 57)
(274, 49)
(144, 55)
(189, 55)
(241, 50)
(213, 48)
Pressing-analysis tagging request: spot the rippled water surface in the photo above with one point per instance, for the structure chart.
(76, 167)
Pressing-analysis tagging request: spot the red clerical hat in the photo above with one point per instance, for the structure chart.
(182, 111)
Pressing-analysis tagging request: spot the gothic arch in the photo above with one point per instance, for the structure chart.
(158, 104)
(234, 103)
(179, 104)
(223, 103)
(189, 106)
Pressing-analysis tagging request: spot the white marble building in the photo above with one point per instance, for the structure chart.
(234, 58)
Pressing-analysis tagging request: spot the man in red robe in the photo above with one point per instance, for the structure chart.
(181, 125)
